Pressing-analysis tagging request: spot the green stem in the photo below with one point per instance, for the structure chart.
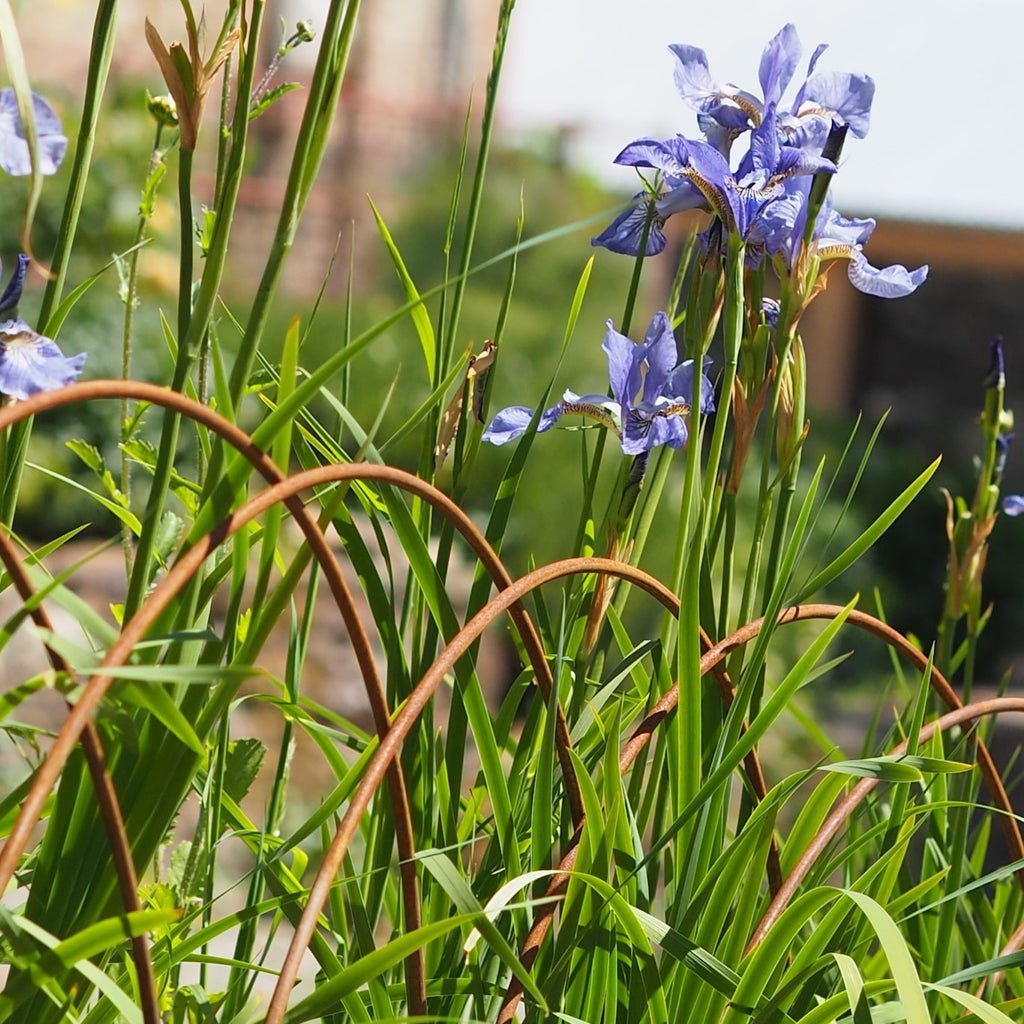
(140, 575)
(476, 194)
(311, 143)
(185, 264)
(634, 281)
(198, 318)
(131, 290)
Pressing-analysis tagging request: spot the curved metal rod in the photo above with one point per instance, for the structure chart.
(832, 824)
(391, 745)
(1013, 943)
(106, 795)
(243, 443)
(712, 657)
(868, 623)
(179, 574)
(941, 686)
(437, 499)
(227, 431)
(499, 574)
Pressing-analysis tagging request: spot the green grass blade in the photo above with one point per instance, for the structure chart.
(418, 312)
(352, 977)
(843, 561)
(469, 907)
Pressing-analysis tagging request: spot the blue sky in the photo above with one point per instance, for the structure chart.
(945, 141)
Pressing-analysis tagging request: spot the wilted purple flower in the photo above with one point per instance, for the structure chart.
(650, 395)
(29, 363)
(14, 155)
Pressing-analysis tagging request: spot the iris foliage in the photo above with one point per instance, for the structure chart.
(617, 835)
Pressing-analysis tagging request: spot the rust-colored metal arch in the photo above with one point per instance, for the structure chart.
(79, 721)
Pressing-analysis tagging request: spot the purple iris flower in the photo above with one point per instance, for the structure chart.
(844, 238)
(653, 394)
(834, 237)
(675, 193)
(29, 363)
(698, 175)
(14, 155)
(784, 143)
(724, 112)
(626, 233)
(650, 395)
(842, 97)
(512, 422)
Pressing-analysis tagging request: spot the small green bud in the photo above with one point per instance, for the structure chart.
(162, 109)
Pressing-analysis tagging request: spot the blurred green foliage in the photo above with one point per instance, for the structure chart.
(546, 276)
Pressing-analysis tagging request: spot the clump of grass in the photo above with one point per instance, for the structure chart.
(606, 840)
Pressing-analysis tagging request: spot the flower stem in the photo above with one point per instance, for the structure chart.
(197, 317)
(130, 293)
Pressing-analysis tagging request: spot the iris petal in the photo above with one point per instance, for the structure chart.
(624, 234)
(891, 283)
(1013, 504)
(660, 353)
(512, 422)
(692, 76)
(14, 154)
(778, 63)
(848, 96)
(30, 363)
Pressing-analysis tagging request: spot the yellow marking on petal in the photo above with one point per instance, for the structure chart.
(18, 337)
(752, 110)
(676, 409)
(594, 412)
(713, 195)
(835, 251)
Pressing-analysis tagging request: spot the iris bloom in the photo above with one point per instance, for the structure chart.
(724, 112)
(29, 363)
(14, 155)
(764, 201)
(650, 395)
(696, 175)
(834, 237)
